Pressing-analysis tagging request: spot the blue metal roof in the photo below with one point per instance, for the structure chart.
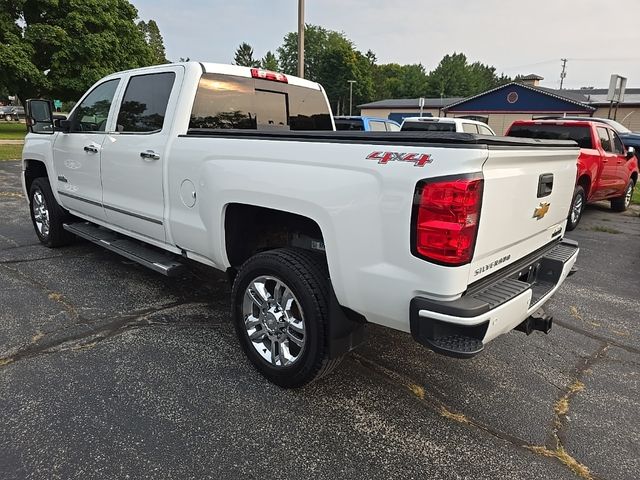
(518, 98)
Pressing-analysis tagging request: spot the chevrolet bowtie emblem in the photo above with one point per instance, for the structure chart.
(541, 211)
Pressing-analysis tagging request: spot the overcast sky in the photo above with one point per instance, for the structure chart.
(597, 37)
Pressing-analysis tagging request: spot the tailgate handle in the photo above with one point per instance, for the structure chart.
(545, 184)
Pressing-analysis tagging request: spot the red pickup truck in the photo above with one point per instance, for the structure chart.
(606, 170)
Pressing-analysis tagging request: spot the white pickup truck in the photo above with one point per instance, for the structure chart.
(453, 237)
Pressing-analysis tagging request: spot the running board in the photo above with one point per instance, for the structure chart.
(148, 256)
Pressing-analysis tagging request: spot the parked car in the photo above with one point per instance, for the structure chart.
(445, 124)
(11, 113)
(606, 169)
(320, 231)
(367, 124)
(629, 138)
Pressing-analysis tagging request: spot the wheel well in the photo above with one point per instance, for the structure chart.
(32, 170)
(250, 229)
(585, 182)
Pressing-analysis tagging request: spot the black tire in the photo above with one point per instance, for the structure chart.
(620, 204)
(56, 236)
(306, 274)
(577, 208)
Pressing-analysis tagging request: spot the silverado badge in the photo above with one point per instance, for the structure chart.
(541, 211)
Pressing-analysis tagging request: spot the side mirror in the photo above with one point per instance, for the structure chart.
(61, 124)
(631, 151)
(39, 117)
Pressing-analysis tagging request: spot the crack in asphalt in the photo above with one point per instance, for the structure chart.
(43, 344)
(560, 421)
(595, 336)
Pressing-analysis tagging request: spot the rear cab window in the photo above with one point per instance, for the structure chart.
(352, 124)
(428, 127)
(581, 134)
(233, 102)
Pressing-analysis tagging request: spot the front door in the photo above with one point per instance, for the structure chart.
(133, 154)
(622, 172)
(76, 154)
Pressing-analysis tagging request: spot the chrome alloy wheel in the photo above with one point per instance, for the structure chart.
(274, 321)
(577, 209)
(627, 195)
(40, 213)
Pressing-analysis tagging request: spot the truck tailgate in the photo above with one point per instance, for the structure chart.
(526, 199)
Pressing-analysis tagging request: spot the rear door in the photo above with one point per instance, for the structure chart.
(76, 154)
(622, 172)
(608, 183)
(133, 154)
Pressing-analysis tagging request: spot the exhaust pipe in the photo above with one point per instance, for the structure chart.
(539, 320)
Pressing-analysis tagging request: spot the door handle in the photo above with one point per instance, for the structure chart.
(150, 154)
(90, 149)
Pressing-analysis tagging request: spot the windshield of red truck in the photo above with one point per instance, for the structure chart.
(581, 134)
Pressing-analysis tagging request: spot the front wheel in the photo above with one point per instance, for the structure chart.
(620, 204)
(280, 311)
(47, 215)
(577, 207)
(8, 118)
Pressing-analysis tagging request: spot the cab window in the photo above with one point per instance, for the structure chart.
(603, 133)
(392, 127)
(376, 126)
(618, 147)
(144, 104)
(469, 128)
(92, 113)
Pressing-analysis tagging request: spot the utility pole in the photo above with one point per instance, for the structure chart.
(301, 38)
(563, 74)
(351, 82)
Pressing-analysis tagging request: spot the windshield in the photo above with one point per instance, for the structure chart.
(428, 127)
(618, 127)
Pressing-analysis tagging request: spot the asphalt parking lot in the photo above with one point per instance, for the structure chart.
(108, 370)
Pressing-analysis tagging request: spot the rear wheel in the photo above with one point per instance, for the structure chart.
(577, 207)
(620, 204)
(8, 117)
(280, 311)
(47, 215)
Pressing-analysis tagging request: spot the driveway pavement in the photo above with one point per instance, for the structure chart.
(108, 370)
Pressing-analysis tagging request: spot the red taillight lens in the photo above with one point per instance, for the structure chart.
(447, 218)
(268, 75)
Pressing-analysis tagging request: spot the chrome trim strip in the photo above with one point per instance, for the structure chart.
(109, 207)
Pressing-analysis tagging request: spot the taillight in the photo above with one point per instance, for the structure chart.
(268, 75)
(446, 219)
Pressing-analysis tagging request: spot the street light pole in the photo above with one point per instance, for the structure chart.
(301, 38)
(351, 82)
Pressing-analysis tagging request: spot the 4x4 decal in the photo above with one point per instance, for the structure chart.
(418, 159)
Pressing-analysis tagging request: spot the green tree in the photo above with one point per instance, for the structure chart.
(399, 81)
(244, 56)
(56, 48)
(455, 77)
(337, 65)
(316, 41)
(154, 39)
(270, 62)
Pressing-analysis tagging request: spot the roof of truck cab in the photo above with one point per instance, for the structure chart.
(238, 71)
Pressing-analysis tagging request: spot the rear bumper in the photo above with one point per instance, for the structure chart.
(462, 327)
